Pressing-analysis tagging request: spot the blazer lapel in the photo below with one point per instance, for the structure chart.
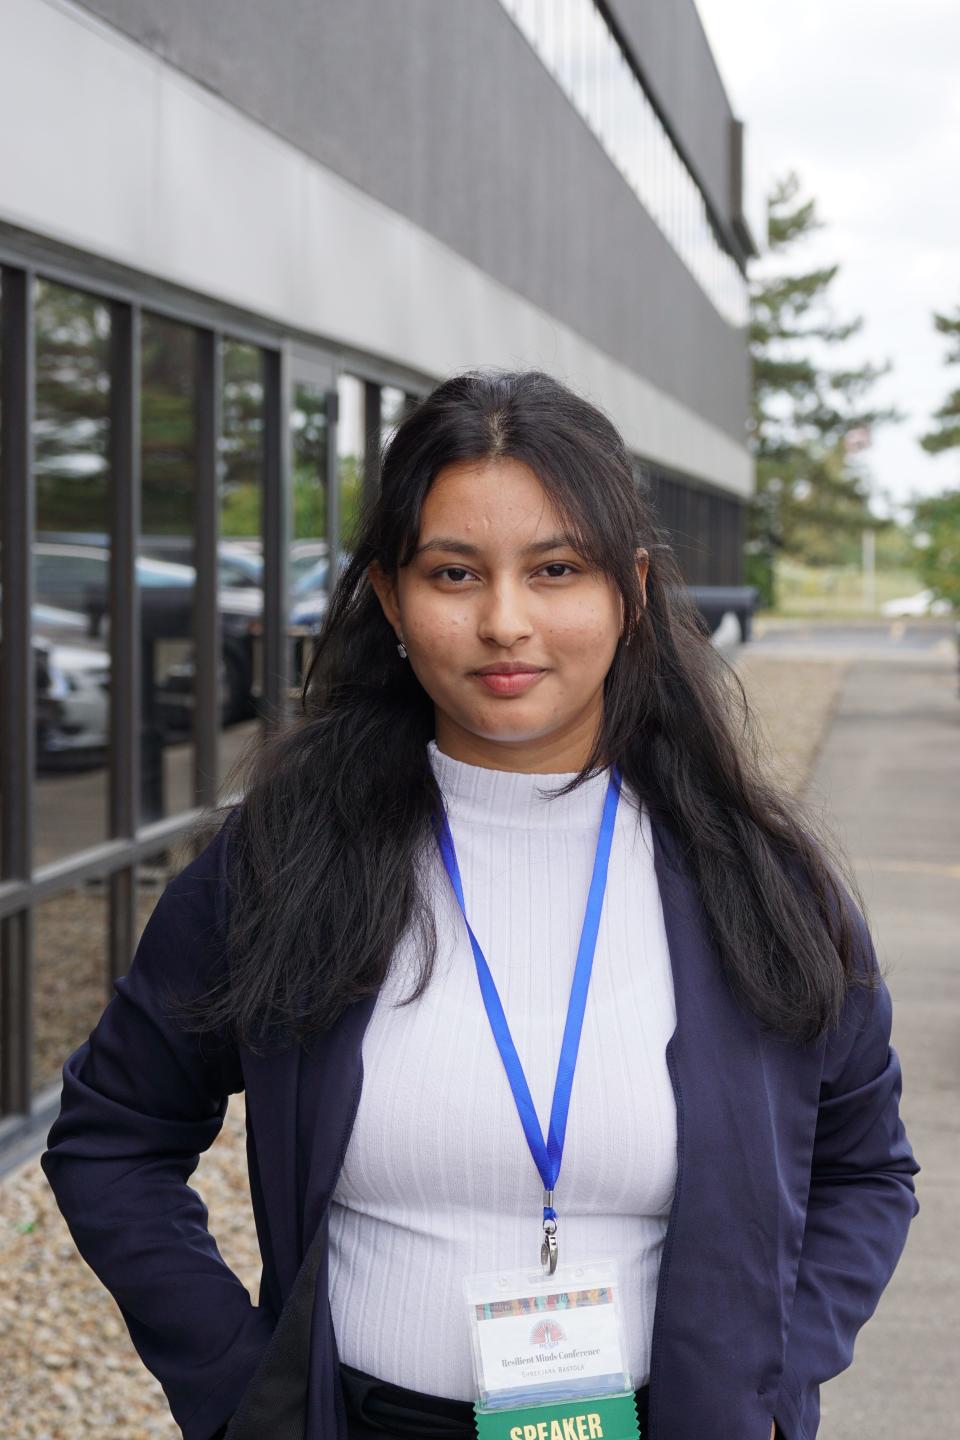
(272, 1086)
(717, 1322)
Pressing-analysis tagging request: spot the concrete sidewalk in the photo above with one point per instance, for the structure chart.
(888, 776)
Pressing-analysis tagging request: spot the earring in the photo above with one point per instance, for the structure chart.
(402, 650)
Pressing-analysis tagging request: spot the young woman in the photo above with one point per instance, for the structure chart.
(521, 817)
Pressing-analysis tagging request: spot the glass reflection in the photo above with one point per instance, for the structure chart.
(166, 571)
(69, 975)
(240, 553)
(309, 558)
(71, 571)
(351, 452)
(393, 407)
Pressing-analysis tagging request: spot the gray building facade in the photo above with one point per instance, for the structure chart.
(237, 240)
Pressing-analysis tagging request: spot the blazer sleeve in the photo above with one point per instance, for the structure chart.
(861, 1199)
(141, 1099)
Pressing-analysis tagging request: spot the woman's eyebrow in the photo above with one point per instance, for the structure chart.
(462, 547)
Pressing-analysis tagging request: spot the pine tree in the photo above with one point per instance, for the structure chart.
(937, 519)
(809, 420)
(947, 432)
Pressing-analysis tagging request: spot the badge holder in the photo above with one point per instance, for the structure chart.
(549, 1355)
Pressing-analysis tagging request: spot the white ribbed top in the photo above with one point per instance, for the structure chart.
(438, 1182)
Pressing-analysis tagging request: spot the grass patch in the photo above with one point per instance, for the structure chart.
(837, 592)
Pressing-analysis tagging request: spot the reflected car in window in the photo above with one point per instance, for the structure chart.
(71, 686)
(72, 703)
(71, 629)
(74, 578)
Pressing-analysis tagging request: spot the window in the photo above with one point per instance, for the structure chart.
(71, 571)
(241, 543)
(351, 454)
(309, 557)
(166, 573)
(574, 43)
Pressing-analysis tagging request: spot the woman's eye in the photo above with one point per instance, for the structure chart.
(454, 573)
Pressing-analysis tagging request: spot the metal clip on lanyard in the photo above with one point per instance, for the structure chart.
(547, 1155)
(548, 1250)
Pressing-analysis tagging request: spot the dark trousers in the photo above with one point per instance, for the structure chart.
(377, 1411)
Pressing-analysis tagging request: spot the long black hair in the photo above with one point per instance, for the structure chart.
(330, 839)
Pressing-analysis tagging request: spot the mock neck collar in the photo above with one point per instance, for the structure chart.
(516, 798)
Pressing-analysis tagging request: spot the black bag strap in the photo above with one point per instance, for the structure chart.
(275, 1401)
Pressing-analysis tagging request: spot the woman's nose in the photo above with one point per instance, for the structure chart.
(504, 614)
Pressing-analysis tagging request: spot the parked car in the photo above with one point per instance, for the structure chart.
(71, 686)
(72, 702)
(240, 562)
(75, 577)
(909, 606)
(238, 567)
(72, 578)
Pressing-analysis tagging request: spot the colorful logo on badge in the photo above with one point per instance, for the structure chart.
(547, 1332)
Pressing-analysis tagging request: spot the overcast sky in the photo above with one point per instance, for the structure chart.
(862, 99)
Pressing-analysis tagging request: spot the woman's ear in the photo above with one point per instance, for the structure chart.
(643, 565)
(386, 592)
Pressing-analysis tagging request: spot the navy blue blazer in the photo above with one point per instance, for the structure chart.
(793, 1199)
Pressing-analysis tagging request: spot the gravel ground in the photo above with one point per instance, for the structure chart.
(67, 1368)
(792, 700)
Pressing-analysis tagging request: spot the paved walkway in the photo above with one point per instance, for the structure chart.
(889, 776)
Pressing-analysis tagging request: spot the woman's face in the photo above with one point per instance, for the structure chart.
(495, 587)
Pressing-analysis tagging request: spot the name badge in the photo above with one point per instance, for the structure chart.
(539, 1338)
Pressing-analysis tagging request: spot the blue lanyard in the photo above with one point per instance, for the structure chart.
(546, 1155)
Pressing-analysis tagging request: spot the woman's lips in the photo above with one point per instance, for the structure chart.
(515, 684)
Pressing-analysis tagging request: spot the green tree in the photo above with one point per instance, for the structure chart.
(946, 434)
(809, 419)
(241, 442)
(71, 426)
(350, 476)
(309, 459)
(937, 521)
(168, 431)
